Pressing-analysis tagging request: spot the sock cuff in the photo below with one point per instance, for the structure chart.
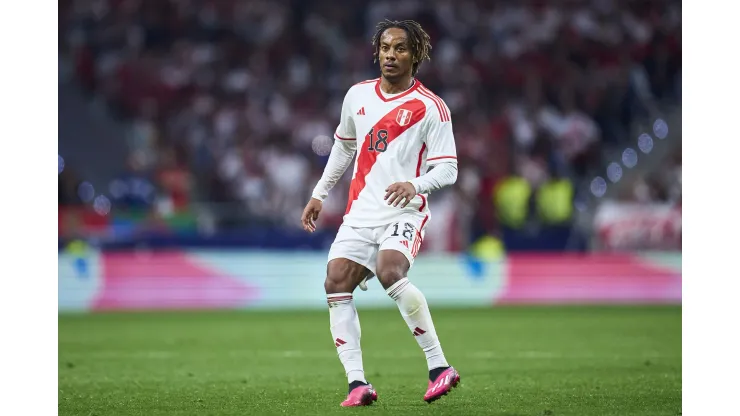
(397, 288)
(338, 298)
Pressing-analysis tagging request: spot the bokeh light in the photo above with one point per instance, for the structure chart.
(660, 128)
(614, 172)
(645, 143)
(598, 186)
(61, 164)
(85, 191)
(101, 205)
(629, 157)
(321, 145)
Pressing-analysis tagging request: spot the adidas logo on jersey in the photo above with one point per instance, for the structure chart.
(361, 112)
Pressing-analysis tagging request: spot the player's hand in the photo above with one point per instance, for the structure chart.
(400, 193)
(311, 214)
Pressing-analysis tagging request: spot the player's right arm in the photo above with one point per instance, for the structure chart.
(341, 156)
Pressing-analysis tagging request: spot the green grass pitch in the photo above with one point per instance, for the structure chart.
(513, 361)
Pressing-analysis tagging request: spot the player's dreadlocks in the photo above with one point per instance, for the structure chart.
(418, 40)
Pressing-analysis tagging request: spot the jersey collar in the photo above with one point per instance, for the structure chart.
(413, 88)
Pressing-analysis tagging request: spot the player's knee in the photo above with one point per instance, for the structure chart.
(392, 267)
(335, 284)
(389, 275)
(339, 277)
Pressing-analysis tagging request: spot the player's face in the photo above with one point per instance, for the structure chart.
(394, 54)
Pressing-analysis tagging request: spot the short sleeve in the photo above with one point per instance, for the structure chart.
(440, 140)
(346, 128)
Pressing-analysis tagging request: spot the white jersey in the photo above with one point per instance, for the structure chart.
(398, 137)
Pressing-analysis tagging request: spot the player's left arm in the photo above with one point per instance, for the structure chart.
(441, 159)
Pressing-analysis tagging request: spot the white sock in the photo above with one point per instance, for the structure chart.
(345, 330)
(415, 311)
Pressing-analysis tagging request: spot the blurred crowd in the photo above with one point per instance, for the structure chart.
(660, 185)
(234, 103)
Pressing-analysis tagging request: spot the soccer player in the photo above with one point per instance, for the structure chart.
(402, 135)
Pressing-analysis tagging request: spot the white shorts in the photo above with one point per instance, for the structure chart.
(362, 245)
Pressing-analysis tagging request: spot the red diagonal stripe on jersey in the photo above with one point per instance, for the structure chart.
(367, 158)
(339, 341)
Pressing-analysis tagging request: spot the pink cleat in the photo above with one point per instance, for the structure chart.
(361, 396)
(446, 381)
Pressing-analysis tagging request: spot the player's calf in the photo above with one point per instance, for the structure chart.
(392, 269)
